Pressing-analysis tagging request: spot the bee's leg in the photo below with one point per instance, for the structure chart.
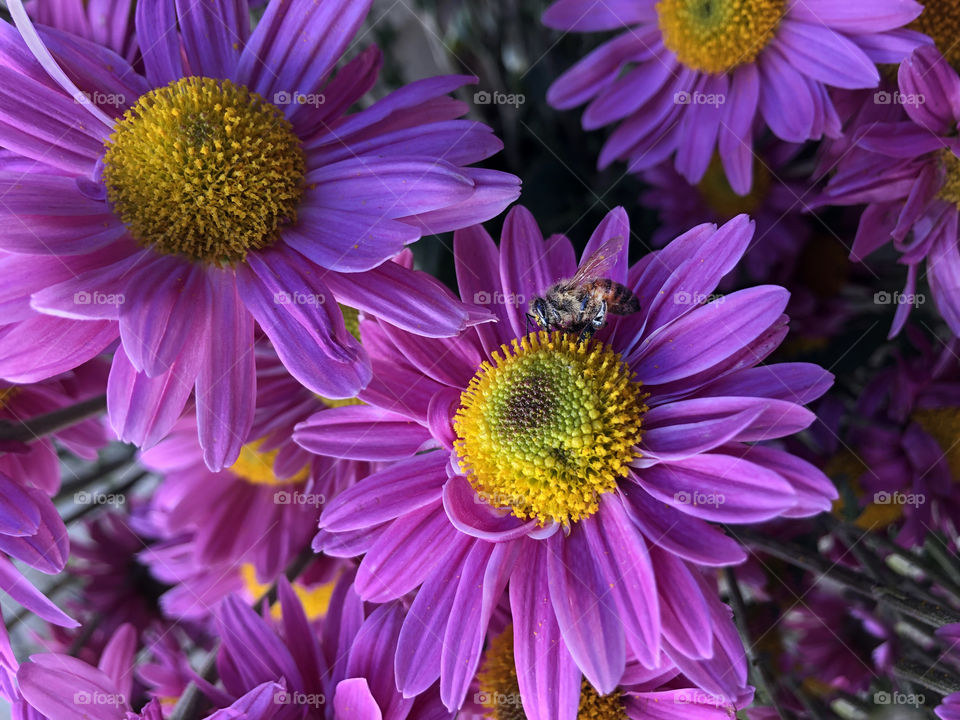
(586, 333)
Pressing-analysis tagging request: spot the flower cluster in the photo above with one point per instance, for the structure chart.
(692, 453)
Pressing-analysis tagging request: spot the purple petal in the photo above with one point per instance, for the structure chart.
(471, 513)
(256, 652)
(19, 514)
(347, 241)
(212, 32)
(353, 699)
(411, 300)
(487, 568)
(166, 305)
(403, 558)
(21, 591)
(734, 139)
(143, 410)
(403, 487)
(704, 337)
(374, 647)
(686, 616)
(226, 387)
(827, 56)
(799, 383)
(295, 310)
(721, 488)
(421, 644)
(269, 64)
(48, 548)
(623, 562)
(785, 100)
(549, 678)
(389, 187)
(63, 687)
(679, 533)
(926, 74)
(360, 432)
(53, 69)
(856, 18)
(585, 612)
(159, 42)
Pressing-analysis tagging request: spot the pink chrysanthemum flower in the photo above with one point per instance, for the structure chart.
(908, 174)
(690, 77)
(582, 474)
(225, 188)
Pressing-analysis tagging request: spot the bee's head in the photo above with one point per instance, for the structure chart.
(538, 306)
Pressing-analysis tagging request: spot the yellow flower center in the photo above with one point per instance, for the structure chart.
(315, 600)
(500, 690)
(951, 177)
(940, 20)
(204, 168)
(943, 425)
(716, 192)
(256, 467)
(549, 426)
(715, 36)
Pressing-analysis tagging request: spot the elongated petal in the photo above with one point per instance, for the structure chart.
(226, 388)
(397, 490)
(586, 614)
(548, 677)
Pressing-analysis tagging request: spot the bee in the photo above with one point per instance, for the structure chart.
(580, 304)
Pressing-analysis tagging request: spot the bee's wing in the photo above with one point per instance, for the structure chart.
(601, 262)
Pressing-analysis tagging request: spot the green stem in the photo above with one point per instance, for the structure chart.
(35, 428)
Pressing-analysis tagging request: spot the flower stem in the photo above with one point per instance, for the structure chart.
(35, 428)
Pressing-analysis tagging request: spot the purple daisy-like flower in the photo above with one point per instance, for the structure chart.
(644, 693)
(226, 188)
(839, 646)
(689, 77)
(775, 201)
(545, 463)
(344, 672)
(909, 446)
(59, 686)
(262, 509)
(36, 464)
(908, 174)
(31, 532)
